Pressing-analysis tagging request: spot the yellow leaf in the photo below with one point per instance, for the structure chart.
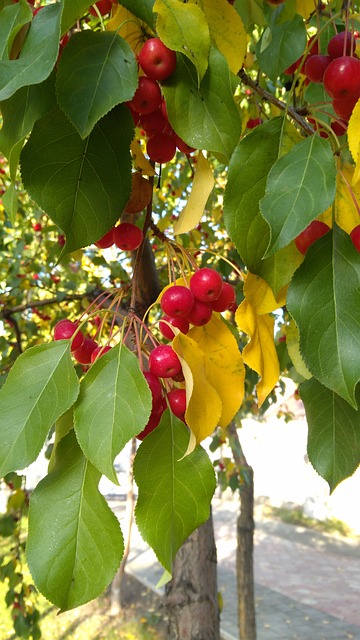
(227, 30)
(346, 212)
(293, 347)
(140, 162)
(131, 29)
(204, 405)
(202, 185)
(260, 353)
(223, 363)
(305, 7)
(353, 135)
(260, 295)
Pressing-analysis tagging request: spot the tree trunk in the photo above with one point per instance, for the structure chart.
(191, 596)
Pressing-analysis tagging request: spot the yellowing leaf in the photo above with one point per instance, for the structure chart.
(227, 30)
(223, 363)
(293, 347)
(353, 135)
(202, 185)
(327, 216)
(183, 28)
(346, 212)
(260, 295)
(130, 30)
(204, 405)
(305, 7)
(260, 353)
(140, 162)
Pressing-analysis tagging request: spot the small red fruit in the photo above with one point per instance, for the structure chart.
(200, 314)
(83, 353)
(153, 123)
(147, 96)
(226, 299)
(315, 67)
(153, 422)
(355, 237)
(313, 232)
(37, 226)
(127, 236)
(156, 60)
(342, 77)
(65, 329)
(106, 241)
(253, 122)
(206, 284)
(183, 146)
(155, 388)
(343, 44)
(98, 352)
(180, 323)
(177, 301)
(163, 362)
(161, 147)
(177, 402)
(104, 7)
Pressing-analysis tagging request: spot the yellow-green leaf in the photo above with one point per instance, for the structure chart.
(202, 186)
(227, 30)
(223, 364)
(260, 295)
(130, 27)
(204, 406)
(260, 353)
(140, 162)
(346, 211)
(293, 347)
(305, 8)
(353, 134)
(183, 28)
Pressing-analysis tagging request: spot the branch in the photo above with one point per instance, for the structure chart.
(7, 313)
(269, 97)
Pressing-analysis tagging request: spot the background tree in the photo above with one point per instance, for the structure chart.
(238, 155)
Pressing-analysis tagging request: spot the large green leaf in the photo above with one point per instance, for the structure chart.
(324, 300)
(300, 186)
(41, 385)
(114, 405)
(82, 185)
(206, 117)
(184, 28)
(142, 9)
(334, 433)
(97, 71)
(73, 10)
(75, 544)
(174, 491)
(12, 18)
(280, 45)
(38, 55)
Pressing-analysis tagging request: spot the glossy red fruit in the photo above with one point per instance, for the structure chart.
(177, 402)
(339, 127)
(226, 299)
(37, 226)
(163, 362)
(155, 388)
(177, 301)
(200, 314)
(343, 44)
(65, 329)
(83, 353)
(104, 7)
(180, 323)
(183, 146)
(313, 232)
(153, 422)
(98, 352)
(156, 60)
(206, 284)
(106, 241)
(355, 237)
(161, 148)
(153, 123)
(127, 236)
(342, 77)
(147, 96)
(344, 107)
(315, 66)
(253, 122)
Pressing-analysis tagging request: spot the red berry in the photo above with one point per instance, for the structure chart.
(65, 329)
(206, 284)
(355, 237)
(183, 146)
(315, 67)
(253, 122)
(161, 147)
(104, 7)
(313, 232)
(61, 240)
(153, 123)
(127, 236)
(83, 353)
(37, 226)
(98, 352)
(344, 107)
(343, 44)
(200, 314)
(177, 301)
(106, 241)
(153, 422)
(342, 77)
(155, 388)
(177, 402)
(226, 299)
(156, 60)
(163, 362)
(180, 323)
(147, 96)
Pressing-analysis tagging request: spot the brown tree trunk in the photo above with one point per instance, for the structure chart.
(191, 596)
(245, 541)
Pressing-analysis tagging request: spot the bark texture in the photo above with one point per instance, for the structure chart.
(191, 600)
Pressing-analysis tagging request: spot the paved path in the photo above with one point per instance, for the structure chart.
(307, 583)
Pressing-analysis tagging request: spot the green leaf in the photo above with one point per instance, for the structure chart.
(73, 10)
(142, 9)
(300, 186)
(114, 405)
(83, 185)
(279, 268)
(12, 18)
(75, 544)
(324, 300)
(174, 491)
(280, 46)
(184, 28)
(38, 55)
(206, 117)
(97, 71)
(10, 202)
(334, 433)
(41, 385)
